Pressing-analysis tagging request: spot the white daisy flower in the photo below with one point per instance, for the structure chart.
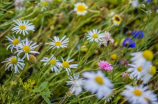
(149, 98)
(76, 84)
(142, 57)
(136, 70)
(22, 27)
(95, 35)
(14, 63)
(53, 62)
(98, 83)
(44, 4)
(116, 19)
(27, 47)
(57, 43)
(14, 42)
(80, 8)
(148, 72)
(134, 3)
(66, 64)
(134, 94)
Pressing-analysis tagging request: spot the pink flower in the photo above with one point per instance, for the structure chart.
(125, 74)
(107, 37)
(105, 65)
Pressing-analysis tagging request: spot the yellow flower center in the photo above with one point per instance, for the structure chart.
(26, 49)
(52, 62)
(137, 92)
(148, 55)
(65, 64)
(22, 27)
(69, 93)
(57, 43)
(81, 8)
(95, 36)
(13, 60)
(16, 41)
(44, 3)
(139, 68)
(99, 80)
(152, 71)
(114, 56)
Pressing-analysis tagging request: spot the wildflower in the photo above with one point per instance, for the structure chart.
(148, 1)
(105, 65)
(26, 47)
(138, 34)
(14, 42)
(14, 63)
(44, 4)
(114, 56)
(116, 19)
(22, 27)
(69, 93)
(95, 35)
(125, 63)
(148, 72)
(150, 98)
(125, 76)
(57, 43)
(84, 48)
(97, 83)
(107, 37)
(135, 70)
(129, 43)
(76, 84)
(53, 62)
(19, 5)
(134, 3)
(138, 94)
(80, 8)
(134, 94)
(66, 64)
(142, 57)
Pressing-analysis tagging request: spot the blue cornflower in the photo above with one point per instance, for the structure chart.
(129, 43)
(138, 34)
(148, 1)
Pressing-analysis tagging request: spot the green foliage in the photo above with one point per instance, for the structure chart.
(59, 20)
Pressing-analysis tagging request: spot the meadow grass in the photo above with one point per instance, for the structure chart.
(36, 83)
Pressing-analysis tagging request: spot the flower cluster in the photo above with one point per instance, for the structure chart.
(55, 64)
(17, 45)
(94, 82)
(108, 80)
(97, 36)
(141, 69)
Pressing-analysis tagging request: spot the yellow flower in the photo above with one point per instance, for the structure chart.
(116, 19)
(114, 56)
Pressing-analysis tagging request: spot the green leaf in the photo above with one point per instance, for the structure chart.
(47, 92)
(45, 98)
(36, 90)
(44, 85)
